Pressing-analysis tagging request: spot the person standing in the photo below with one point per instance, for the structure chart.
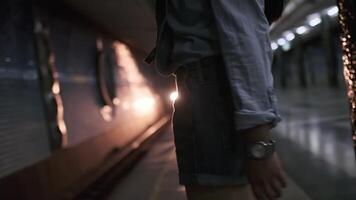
(219, 51)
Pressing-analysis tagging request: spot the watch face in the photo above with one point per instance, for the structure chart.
(258, 151)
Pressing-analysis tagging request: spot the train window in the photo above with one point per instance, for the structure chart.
(106, 82)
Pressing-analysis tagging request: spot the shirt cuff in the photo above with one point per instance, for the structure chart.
(246, 120)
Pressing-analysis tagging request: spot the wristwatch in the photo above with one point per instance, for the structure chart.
(261, 150)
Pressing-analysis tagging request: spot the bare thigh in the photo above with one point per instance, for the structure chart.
(219, 193)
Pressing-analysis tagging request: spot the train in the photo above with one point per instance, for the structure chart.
(74, 95)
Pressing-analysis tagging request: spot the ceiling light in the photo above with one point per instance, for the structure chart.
(289, 35)
(281, 41)
(333, 11)
(301, 30)
(314, 20)
(274, 46)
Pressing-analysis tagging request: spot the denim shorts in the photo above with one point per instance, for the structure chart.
(209, 150)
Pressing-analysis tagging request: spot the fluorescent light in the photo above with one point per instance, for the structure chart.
(281, 41)
(314, 20)
(301, 30)
(333, 11)
(289, 35)
(274, 46)
(286, 47)
(284, 44)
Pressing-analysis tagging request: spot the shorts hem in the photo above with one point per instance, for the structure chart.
(212, 180)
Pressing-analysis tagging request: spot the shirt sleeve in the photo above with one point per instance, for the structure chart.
(243, 32)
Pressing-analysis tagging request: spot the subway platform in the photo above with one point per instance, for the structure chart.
(76, 99)
(314, 143)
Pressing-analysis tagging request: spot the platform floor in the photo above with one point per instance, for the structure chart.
(314, 142)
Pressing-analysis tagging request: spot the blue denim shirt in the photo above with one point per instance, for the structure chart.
(193, 38)
(243, 36)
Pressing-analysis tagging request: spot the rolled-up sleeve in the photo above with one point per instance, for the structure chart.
(244, 41)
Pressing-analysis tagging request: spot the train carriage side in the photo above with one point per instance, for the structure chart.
(71, 96)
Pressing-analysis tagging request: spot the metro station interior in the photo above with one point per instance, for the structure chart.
(83, 117)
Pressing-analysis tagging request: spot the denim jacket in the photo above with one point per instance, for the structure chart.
(245, 46)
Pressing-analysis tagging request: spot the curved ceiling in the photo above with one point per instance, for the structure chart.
(296, 12)
(130, 21)
(133, 21)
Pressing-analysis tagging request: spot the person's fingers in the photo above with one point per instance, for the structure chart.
(268, 190)
(282, 179)
(277, 187)
(258, 192)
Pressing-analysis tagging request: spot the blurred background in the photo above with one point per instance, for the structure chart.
(83, 117)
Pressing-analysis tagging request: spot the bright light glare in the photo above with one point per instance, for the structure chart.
(116, 101)
(289, 36)
(144, 105)
(126, 105)
(301, 30)
(333, 11)
(314, 20)
(56, 88)
(286, 47)
(274, 46)
(173, 96)
(106, 112)
(62, 127)
(281, 41)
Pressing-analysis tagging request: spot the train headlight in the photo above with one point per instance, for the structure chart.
(144, 105)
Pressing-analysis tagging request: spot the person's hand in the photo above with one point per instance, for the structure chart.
(266, 177)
